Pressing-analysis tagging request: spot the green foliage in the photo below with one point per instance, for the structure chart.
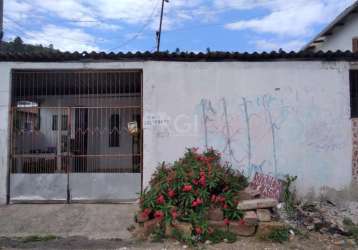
(18, 46)
(185, 190)
(352, 228)
(37, 238)
(279, 235)
(288, 195)
(219, 235)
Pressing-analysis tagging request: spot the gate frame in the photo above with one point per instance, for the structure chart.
(10, 143)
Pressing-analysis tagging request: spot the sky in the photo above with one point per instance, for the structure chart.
(189, 25)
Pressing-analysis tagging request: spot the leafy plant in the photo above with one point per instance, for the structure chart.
(37, 238)
(279, 235)
(288, 195)
(219, 235)
(188, 188)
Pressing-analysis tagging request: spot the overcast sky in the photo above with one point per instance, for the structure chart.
(190, 25)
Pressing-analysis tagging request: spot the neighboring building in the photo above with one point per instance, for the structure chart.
(341, 34)
(68, 121)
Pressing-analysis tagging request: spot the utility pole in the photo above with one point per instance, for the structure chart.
(1, 20)
(159, 33)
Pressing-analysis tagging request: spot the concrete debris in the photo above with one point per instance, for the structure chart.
(257, 203)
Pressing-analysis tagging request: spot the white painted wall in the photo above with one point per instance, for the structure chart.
(309, 133)
(342, 36)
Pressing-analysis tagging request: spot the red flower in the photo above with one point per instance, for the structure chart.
(202, 181)
(197, 202)
(174, 214)
(160, 199)
(242, 222)
(225, 206)
(171, 193)
(195, 182)
(187, 188)
(198, 230)
(213, 198)
(159, 215)
(226, 221)
(145, 213)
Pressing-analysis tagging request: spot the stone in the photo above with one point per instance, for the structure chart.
(218, 225)
(250, 218)
(183, 227)
(215, 214)
(263, 215)
(257, 203)
(242, 229)
(249, 194)
(150, 226)
(265, 228)
(168, 230)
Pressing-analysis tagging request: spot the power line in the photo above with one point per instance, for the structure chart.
(141, 30)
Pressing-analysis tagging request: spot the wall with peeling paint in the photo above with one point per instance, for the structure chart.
(278, 118)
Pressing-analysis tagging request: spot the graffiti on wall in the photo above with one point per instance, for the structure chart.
(254, 133)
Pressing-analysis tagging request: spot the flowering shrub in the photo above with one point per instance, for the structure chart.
(187, 189)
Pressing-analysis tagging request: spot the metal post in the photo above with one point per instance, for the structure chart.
(159, 33)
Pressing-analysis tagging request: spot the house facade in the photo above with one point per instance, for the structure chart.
(340, 34)
(93, 127)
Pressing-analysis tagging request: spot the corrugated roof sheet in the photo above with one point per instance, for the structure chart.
(166, 56)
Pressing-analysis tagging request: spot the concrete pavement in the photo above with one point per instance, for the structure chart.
(93, 221)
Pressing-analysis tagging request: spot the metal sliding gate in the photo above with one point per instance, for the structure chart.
(76, 135)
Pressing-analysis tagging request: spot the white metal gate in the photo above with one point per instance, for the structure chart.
(76, 135)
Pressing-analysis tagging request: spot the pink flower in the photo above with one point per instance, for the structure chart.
(174, 214)
(187, 188)
(225, 206)
(242, 222)
(171, 193)
(226, 221)
(160, 199)
(198, 230)
(159, 215)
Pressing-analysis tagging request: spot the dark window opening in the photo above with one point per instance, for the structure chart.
(353, 75)
(355, 45)
(114, 131)
(54, 123)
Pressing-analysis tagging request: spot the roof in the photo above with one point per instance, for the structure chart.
(328, 30)
(166, 56)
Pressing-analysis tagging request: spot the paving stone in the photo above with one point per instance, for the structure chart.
(257, 203)
(263, 215)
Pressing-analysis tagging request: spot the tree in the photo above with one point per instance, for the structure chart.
(18, 46)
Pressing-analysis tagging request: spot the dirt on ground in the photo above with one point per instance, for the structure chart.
(311, 241)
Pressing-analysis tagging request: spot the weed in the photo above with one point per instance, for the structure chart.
(219, 236)
(37, 238)
(352, 228)
(288, 195)
(279, 235)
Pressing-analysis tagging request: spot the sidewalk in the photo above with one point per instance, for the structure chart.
(93, 221)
